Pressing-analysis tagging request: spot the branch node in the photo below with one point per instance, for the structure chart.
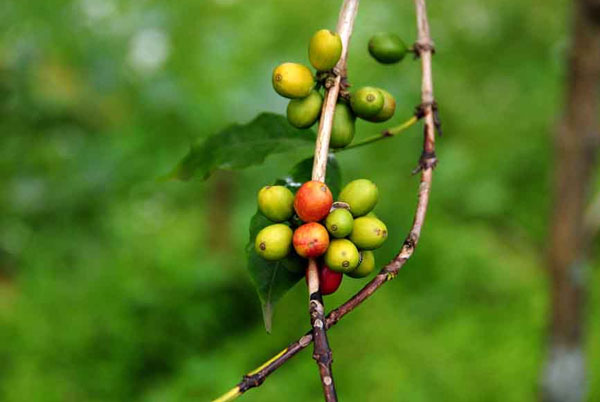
(345, 94)
(323, 358)
(420, 111)
(428, 160)
(251, 381)
(420, 47)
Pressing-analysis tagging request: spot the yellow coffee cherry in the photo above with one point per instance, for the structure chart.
(274, 242)
(293, 80)
(325, 49)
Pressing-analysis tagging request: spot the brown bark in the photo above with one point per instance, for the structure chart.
(576, 147)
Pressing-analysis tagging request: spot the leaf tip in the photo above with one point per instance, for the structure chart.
(267, 310)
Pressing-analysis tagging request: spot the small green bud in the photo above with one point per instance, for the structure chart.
(366, 102)
(368, 233)
(276, 203)
(304, 112)
(274, 242)
(339, 223)
(325, 49)
(387, 48)
(342, 255)
(342, 129)
(366, 265)
(361, 195)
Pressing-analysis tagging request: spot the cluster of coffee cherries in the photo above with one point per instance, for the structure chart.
(297, 82)
(341, 235)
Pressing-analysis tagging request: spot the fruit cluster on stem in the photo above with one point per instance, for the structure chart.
(340, 235)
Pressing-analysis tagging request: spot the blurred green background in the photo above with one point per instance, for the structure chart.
(117, 287)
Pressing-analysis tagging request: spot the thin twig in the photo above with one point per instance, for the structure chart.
(390, 271)
(389, 133)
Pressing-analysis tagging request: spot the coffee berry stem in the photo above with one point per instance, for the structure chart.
(390, 132)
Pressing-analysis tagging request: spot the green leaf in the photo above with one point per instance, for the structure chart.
(241, 145)
(273, 279)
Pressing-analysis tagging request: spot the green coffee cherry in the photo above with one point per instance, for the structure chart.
(304, 112)
(361, 195)
(368, 233)
(276, 203)
(339, 223)
(388, 109)
(387, 48)
(366, 102)
(342, 129)
(274, 242)
(342, 255)
(366, 265)
(325, 49)
(293, 80)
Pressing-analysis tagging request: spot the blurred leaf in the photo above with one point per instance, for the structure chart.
(273, 279)
(241, 145)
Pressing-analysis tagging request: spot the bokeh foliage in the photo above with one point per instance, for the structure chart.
(109, 288)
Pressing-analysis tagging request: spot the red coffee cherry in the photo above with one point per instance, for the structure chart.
(313, 201)
(311, 240)
(329, 281)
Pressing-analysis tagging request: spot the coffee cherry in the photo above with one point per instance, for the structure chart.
(366, 265)
(311, 240)
(368, 233)
(342, 129)
(388, 109)
(387, 48)
(325, 49)
(313, 201)
(339, 223)
(329, 281)
(293, 80)
(342, 255)
(366, 102)
(304, 112)
(361, 195)
(274, 242)
(276, 203)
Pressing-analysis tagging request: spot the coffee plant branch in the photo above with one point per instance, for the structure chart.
(322, 351)
(389, 133)
(427, 162)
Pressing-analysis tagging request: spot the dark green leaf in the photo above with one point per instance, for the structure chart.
(274, 278)
(241, 145)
